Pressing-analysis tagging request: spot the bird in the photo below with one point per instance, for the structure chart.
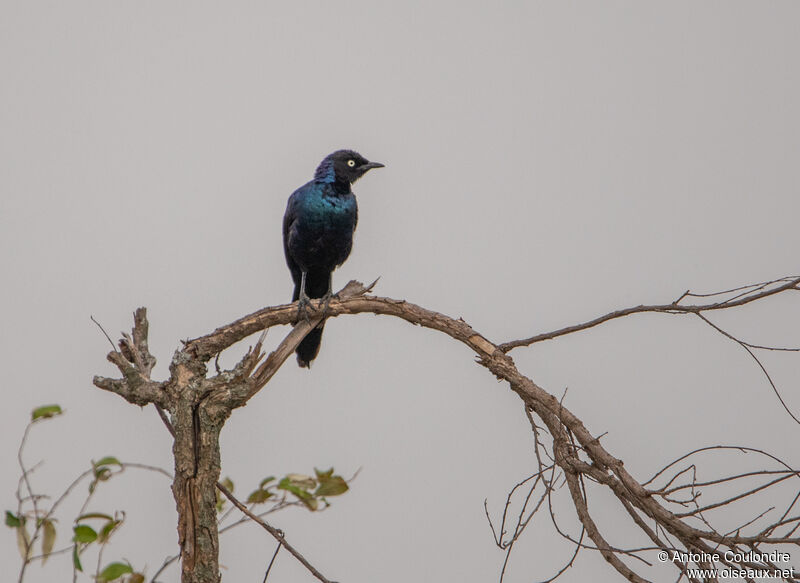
(318, 228)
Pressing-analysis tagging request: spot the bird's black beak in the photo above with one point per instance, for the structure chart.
(369, 166)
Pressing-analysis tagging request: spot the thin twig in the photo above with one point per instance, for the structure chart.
(167, 562)
(272, 560)
(749, 350)
(277, 534)
(103, 330)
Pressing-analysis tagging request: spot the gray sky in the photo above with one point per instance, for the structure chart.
(545, 163)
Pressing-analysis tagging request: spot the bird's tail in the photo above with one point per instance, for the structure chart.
(317, 285)
(308, 349)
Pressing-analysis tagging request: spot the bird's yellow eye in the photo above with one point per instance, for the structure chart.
(351, 163)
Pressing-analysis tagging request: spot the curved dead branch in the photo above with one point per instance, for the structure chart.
(577, 458)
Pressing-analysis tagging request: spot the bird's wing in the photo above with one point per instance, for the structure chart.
(290, 218)
(289, 232)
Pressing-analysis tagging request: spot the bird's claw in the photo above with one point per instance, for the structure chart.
(303, 305)
(325, 301)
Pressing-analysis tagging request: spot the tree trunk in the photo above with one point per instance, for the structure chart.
(197, 423)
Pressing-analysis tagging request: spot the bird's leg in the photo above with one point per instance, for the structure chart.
(303, 301)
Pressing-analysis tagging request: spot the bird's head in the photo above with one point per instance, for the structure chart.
(344, 166)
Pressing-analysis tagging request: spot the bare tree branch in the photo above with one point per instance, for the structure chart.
(753, 293)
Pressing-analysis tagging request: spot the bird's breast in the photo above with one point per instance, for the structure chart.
(320, 229)
(329, 212)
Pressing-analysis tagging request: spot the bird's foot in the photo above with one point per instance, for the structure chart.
(303, 305)
(325, 301)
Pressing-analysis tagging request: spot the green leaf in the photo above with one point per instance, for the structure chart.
(114, 571)
(304, 496)
(48, 538)
(301, 481)
(106, 531)
(322, 475)
(76, 561)
(45, 412)
(228, 483)
(107, 461)
(329, 484)
(102, 473)
(332, 486)
(259, 496)
(13, 520)
(84, 534)
(265, 481)
(94, 515)
(310, 502)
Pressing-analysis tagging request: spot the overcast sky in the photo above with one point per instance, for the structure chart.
(545, 163)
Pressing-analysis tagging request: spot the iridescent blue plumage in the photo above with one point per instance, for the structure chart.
(318, 228)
